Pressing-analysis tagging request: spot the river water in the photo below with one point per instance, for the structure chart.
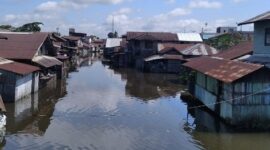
(100, 108)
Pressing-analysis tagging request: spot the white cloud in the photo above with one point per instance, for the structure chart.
(180, 12)
(123, 11)
(72, 4)
(205, 4)
(47, 6)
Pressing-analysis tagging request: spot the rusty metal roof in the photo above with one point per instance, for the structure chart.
(21, 46)
(153, 36)
(241, 49)
(46, 61)
(72, 38)
(261, 17)
(164, 57)
(16, 67)
(224, 70)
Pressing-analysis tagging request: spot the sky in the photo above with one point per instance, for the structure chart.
(95, 16)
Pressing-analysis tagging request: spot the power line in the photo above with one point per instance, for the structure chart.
(231, 100)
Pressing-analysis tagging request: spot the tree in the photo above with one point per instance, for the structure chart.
(30, 27)
(113, 35)
(110, 35)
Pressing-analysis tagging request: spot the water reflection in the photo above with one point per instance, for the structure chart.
(149, 86)
(103, 108)
(31, 114)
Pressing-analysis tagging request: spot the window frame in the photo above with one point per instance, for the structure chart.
(267, 33)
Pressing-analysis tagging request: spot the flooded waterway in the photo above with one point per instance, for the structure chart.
(99, 108)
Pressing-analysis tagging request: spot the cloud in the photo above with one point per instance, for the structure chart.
(72, 4)
(47, 6)
(180, 12)
(238, 1)
(205, 4)
(171, 21)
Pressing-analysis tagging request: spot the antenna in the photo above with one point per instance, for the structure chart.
(113, 24)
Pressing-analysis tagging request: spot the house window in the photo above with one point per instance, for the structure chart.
(149, 45)
(137, 44)
(267, 37)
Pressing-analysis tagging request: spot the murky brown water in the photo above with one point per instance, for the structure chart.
(107, 109)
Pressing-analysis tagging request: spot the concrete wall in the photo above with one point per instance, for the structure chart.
(23, 86)
(259, 38)
(35, 83)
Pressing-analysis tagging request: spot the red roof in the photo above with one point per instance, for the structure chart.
(153, 36)
(21, 46)
(224, 70)
(18, 68)
(72, 38)
(237, 51)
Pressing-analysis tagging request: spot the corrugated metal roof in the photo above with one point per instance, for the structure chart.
(227, 71)
(261, 17)
(46, 61)
(164, 57)
(189, 37)
(239, 50)
(113, 42)
(165, 47)
(19, 68)
(16, 67)
(153, 36)
(72, 38)
(199, 50)
(21, 46)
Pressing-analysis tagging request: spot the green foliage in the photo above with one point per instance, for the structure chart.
(7, 27)
(225, 41)
(29, 27)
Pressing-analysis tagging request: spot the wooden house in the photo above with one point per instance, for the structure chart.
(236, 91)
(144, 44)
(29, 48)
(17, 80)
(171, 56)
(235, 83)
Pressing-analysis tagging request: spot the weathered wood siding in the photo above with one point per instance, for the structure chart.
(205, 97)
(259, 38)
(206, 90)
